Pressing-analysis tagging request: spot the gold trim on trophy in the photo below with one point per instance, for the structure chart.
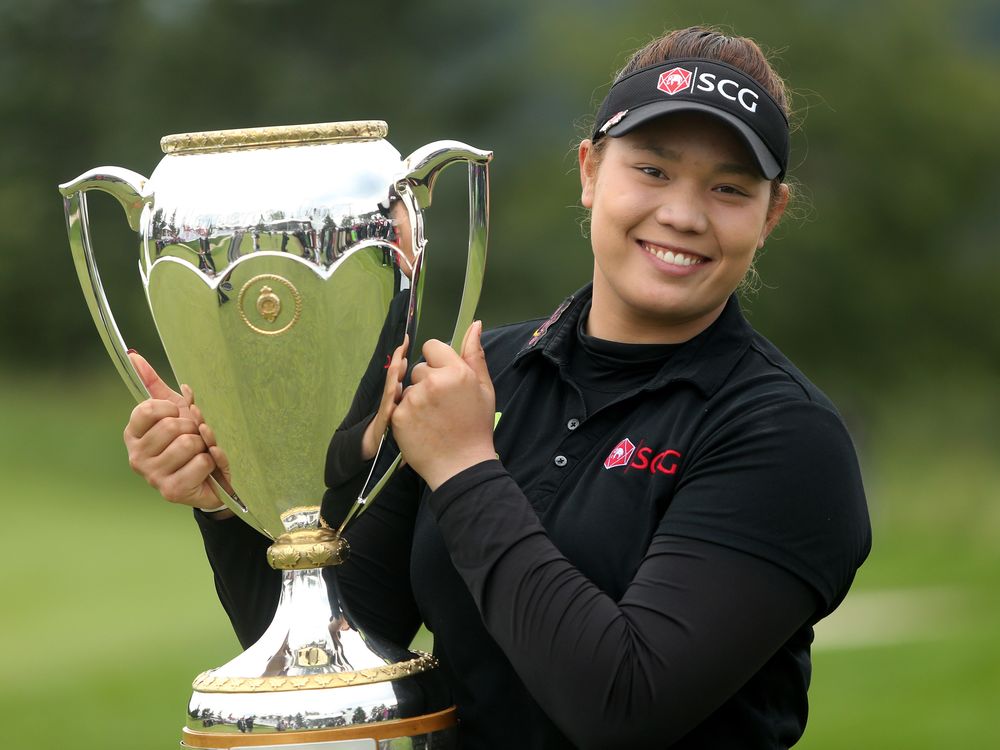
(280, 135)
(303, 549)
(268, 304)
(206, 682)
(383, 730)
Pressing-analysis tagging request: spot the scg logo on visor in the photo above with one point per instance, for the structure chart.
(676, 80)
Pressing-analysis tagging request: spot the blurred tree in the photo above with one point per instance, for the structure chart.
(895, 264)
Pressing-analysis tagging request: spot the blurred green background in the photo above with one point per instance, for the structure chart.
(879, 289)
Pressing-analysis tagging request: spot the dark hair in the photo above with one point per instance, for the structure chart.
(711, 44)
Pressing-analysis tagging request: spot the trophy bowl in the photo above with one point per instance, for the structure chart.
(282, 266)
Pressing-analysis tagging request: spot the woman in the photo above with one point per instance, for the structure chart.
(636, 555)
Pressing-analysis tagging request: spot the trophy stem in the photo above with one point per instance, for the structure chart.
(314, 674)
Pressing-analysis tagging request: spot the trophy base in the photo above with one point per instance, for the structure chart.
(437, 731)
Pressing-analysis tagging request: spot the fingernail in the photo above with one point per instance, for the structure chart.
(131, 351)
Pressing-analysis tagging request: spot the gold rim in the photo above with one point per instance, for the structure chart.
(207, 683)
(278, 135)
(382, 730)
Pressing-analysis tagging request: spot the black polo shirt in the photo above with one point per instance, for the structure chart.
(643, 575)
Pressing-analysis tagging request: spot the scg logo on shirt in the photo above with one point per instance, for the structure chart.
(620, 454)
(627, 454)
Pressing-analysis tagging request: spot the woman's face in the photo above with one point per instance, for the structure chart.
(678, 209)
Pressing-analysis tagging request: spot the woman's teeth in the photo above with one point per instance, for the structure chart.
(676, 259)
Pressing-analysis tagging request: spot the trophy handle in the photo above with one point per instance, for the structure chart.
(423, 167)
(127, 188)
(425, 164)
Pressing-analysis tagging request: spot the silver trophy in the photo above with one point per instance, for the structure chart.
(283, 266)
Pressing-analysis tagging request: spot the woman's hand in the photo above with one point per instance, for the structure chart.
(170, 446)
(391, 394)
(444, 421)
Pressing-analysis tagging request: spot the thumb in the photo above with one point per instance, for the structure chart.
(154, 384)
(473, 354)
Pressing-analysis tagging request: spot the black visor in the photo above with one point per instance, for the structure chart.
(695, 85)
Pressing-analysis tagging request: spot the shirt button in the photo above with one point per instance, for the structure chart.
(560, 461)
(573, 424)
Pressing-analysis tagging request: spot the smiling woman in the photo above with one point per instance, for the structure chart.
(622, 522)
(678, 211)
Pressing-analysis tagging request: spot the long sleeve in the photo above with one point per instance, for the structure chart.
(247, 586)
(375, 578)
(698, 620)
(345, 469)
(344, 465)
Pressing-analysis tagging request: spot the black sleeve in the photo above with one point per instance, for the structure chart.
(697, 621)
(344, 467)
(781, 483)
(375, 578)
(247, 586)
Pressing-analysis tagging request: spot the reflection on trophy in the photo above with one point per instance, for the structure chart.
(277, 278)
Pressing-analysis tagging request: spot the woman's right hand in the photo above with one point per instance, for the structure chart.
(392, 392)
(170, 446)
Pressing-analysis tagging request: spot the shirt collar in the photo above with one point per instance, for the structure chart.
(705, 361)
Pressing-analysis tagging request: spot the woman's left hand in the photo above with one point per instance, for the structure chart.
(444, 422)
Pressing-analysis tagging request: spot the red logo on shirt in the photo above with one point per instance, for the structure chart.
(661, 463)
(627, 454)
(620, 454)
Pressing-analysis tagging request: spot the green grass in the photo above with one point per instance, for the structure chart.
(109, 606)
(933, 482)
(110, 611)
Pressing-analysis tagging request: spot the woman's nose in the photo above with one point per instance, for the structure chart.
(682, 211)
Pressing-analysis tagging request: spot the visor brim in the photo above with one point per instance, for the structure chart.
(766, 162)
